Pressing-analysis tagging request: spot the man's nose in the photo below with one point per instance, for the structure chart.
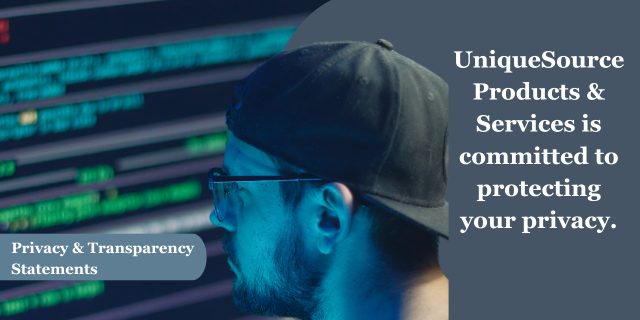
(229, 222)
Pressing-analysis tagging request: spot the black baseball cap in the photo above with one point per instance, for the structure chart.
(357, 113)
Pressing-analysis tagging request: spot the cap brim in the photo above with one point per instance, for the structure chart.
(435, 220)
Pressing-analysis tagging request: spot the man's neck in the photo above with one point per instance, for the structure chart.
(428, 298)
(361, 290)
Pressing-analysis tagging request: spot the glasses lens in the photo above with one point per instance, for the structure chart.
(220, 200)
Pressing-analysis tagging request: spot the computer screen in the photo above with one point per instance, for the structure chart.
(111, 114)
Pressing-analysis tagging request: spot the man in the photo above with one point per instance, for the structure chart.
(332, 190)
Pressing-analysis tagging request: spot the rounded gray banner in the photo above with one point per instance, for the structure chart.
(101, 257)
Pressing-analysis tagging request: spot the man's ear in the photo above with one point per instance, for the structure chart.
(334, 220)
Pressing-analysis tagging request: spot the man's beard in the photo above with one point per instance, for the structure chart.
(292, 291)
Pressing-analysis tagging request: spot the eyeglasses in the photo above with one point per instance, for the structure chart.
(224, 185)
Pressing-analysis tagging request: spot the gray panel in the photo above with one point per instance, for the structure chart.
(502, 273)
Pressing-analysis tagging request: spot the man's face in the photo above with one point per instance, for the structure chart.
(274, 271)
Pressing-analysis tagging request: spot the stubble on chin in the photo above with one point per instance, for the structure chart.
(289, 287)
